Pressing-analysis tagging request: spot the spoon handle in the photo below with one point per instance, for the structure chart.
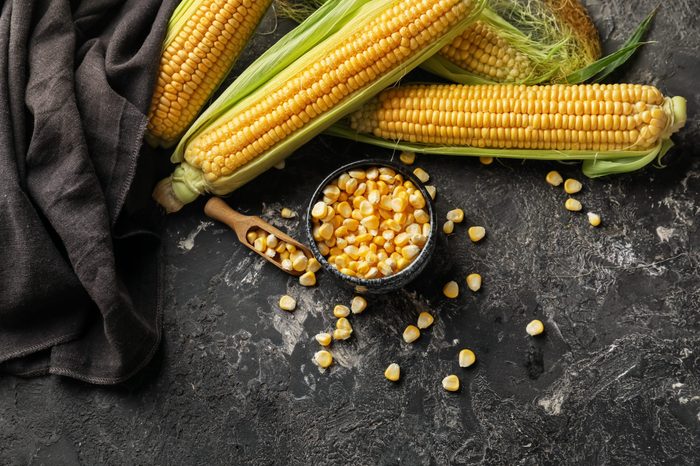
(218, 210)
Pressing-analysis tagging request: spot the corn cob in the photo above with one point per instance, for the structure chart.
(586, 122)
(482, 51)
(205, 37)
(519, 41)
(495, 54)
(378, 43)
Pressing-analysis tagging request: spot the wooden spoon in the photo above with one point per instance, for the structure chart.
(217, 209)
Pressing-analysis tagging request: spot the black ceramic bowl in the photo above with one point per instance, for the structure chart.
(384, 284)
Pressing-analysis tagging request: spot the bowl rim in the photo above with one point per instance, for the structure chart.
(417, 263)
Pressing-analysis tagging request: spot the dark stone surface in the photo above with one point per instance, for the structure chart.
(615, 380)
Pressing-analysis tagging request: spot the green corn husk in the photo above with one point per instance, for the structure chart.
(595, 163)
(541, 30)
(299, 47)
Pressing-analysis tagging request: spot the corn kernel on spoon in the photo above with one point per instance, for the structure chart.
(217, 209)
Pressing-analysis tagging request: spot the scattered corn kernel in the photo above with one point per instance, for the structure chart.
(341, 334)
(323, 358)
(407, 158)
(358, 305)
(455, 216)
(593, 219)
(448, 227)
(466, 358)
(341, 311)
(476, 234)
(534, 328)
(486, 160)
(343, 323)
(425, 320)
(411, 334)
(287, 213)
(573, 205)
(323, 339)
(308, 279)
(554, 178)
(287, 303)
(450, 383)
(451, 290)
(432, 190)
(393, 372)
(474, 281)
(421, 174)
(313, 265)
(572, 186)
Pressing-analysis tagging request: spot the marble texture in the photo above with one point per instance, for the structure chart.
(614, 380)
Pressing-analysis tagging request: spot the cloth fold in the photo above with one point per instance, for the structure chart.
(79, 276)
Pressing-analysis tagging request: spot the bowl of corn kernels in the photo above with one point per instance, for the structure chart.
(373, 225)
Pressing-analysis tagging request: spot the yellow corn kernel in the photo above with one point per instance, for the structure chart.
(407, 158)
(474, 281)
(421, 174)
(554, 178)
(411, 334)
(260, 244)
(323, 339)
(432, 190)
(486, 160)
(318, 211)
(251, 236)
(573, 205)
(323, 249)
(466, 358)
(534, 328)
(448, 227)
(343, 323)
(425, 320)
(300, 263)
(450, 383)
(313, 265)
(476, 234)
(287, 213)
(271, 241)
(455, 216)
(451, 290)
(358, 304)
(593, 219)
(410, 252)
(307, 279)
(287, 303)
(393, 372)
(287, 265)
(572, 186)
(341, 311)
(270, 253)
(323, 358)
(341, 334)
(281, 249)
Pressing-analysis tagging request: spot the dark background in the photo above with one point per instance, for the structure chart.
(615, 379)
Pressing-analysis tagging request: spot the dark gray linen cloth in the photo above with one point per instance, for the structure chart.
(79, 276)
